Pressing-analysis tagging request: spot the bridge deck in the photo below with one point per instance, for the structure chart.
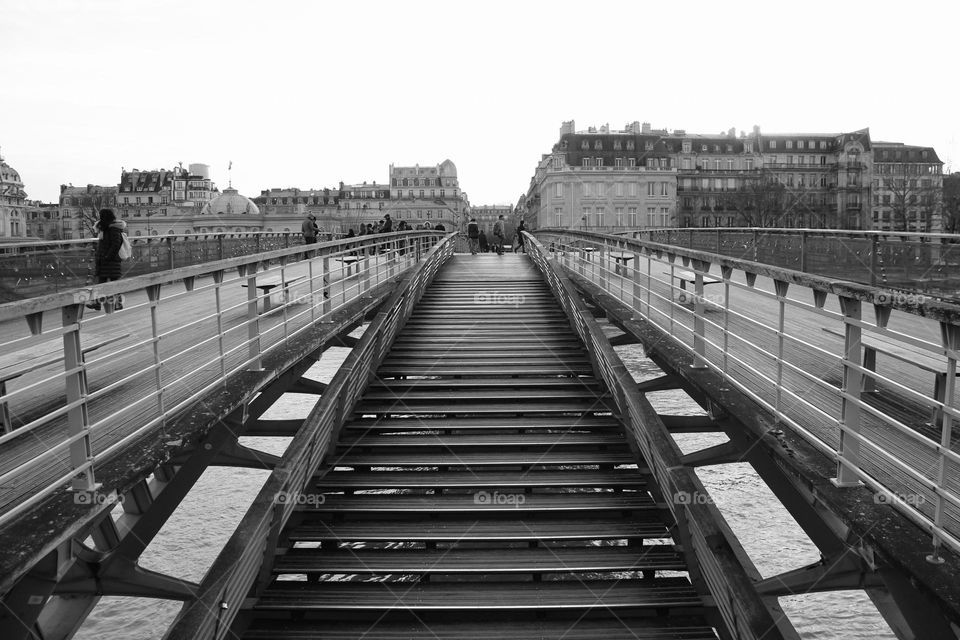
(482, 490)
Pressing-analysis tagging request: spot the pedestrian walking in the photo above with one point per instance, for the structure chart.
(473, 236)
(108, 264)
(498, 235)
(519, 243)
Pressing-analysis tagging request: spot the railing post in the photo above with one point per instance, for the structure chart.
(849, 450)
(218, 281)
(171, 259)
(220, 246)
(699, 311)
(950, 339)
(253, 317)
(781, 288)
(153, 295)
(874, 259)
(325, 268)
(803, 251)
(78, 417)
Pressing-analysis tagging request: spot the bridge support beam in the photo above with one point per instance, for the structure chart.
(846, 573)
(725, 453)
(235, 454)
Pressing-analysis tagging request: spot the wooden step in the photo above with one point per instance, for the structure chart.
(621, 627)
(535, 439)
(504, 458)
(478, 502)
(397, 367)
(521, 384)
(489, 406)
(353, 480)
(485, 423)
(657, 594)
(474, 561)
(645, 524)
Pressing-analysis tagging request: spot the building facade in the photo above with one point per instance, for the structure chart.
(162, 202)
(653, 178)
(487, 215)
(79, 210)
(14, 208)
(428, 196)
(907, 188)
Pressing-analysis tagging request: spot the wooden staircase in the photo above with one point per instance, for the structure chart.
(483, 490)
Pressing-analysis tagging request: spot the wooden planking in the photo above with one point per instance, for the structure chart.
(490, 464)
(517, 560)
(424, 596)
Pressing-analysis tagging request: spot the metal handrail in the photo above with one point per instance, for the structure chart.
(246, 558)
(725, 570)
(160, 366)
(771, 360)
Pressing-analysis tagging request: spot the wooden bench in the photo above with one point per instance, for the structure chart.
(348, 262)
(685, 276)
(268, 284)
(622, 259)
(920, 358)
(43, 354)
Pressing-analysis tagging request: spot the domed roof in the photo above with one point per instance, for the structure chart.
(231, 202)
(447, 168)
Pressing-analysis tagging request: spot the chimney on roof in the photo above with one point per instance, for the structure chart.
(756, 130)
(732, 133)
(645, 128)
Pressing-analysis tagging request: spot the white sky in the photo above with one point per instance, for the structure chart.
(306, 94)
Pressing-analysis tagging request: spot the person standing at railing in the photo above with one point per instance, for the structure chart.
(310, 229)
(484, 244)
(473, 235)
(108, 265)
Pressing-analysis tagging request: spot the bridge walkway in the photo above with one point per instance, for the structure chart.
(482, 488)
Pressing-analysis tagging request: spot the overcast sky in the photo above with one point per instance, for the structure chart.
(306, 94)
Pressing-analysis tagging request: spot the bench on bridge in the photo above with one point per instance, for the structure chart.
(43, 354)
(348, 262)
(269, 284)
(686, 276)
(920, 358)
(622, 259)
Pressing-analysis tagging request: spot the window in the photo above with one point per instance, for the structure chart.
(619, 189)
(651, 188)
(685, 164)
(619, 214)
(558, 216)
(686, 146)
(598, 145)
(586, 189)
(617, 145)
(651, 216)
(557, 162)
(599, 162)
(633, 162)
(789, 144)
(558, 190)
(632, 216)
(632, 189)
(586, 162)
(600, 212)
(601, 192)
(618, 162)
(748, 164)
(663, 188)
(730, 165)
(773, 144)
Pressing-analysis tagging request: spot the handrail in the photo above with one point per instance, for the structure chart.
(927, 262)
(243, 564)
(714, 554)
(775, 341)
(183, 333)
(37, 267)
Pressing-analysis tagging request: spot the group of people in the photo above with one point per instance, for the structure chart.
(311, 231)
(478, 238)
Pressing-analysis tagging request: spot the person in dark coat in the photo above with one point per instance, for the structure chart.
(484, 244)
(110, 239)
(519, 245)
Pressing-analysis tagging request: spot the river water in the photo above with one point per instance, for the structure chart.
(193, 536)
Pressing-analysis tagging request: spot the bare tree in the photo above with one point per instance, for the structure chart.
(950, 199)
(910, 200)
(760, 202)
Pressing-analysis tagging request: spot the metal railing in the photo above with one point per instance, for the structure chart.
(243, 566)
(866, 375)
(718, 567)
(76, 393)
(39, 267)
(902, 260)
